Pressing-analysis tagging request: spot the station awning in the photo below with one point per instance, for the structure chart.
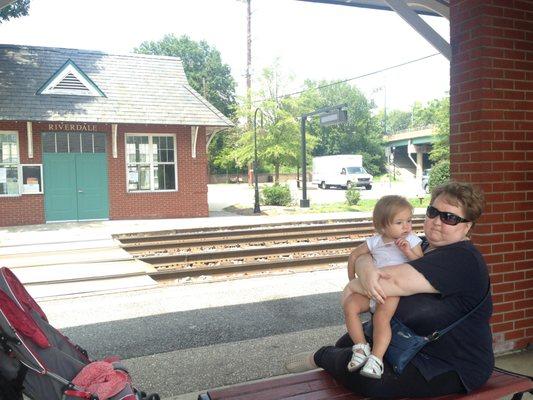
(409, 10)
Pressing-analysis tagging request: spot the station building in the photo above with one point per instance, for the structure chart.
(86, 135)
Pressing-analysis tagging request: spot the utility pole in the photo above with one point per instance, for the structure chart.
(249, 58)
(249, 74)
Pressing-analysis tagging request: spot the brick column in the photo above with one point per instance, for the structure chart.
(491, 145)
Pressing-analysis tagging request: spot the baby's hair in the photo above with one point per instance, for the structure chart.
(386, 209)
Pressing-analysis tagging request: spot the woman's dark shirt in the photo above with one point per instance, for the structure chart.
(460, 274)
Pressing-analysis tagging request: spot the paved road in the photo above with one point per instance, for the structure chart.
(190, 337)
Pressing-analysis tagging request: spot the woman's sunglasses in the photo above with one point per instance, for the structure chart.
(447, 217)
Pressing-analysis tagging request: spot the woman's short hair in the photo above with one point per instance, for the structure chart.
(463, 195)
(386, 209)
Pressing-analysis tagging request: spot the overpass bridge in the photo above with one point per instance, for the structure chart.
(410, 148)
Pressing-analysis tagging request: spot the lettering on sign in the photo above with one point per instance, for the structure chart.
(72, 127)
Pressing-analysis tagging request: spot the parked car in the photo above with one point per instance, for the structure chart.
(425, 180)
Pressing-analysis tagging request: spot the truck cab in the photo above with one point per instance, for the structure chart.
(356, 176)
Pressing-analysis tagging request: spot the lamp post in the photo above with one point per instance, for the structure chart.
(304, 202)
(328, 116)
(257, 209)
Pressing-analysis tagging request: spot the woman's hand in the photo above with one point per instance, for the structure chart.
(369, 277)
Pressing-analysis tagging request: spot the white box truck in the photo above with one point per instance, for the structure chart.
(343, 170)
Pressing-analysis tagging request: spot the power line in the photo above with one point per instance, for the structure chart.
(355, 77)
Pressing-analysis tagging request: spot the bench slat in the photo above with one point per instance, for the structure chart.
(338, 393)
(267, 384)
(319, 385)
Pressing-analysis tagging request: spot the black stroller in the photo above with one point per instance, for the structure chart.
(37, 360)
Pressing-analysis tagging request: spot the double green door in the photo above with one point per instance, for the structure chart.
(75, 186)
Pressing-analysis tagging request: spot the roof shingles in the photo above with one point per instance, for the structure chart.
(139, 89)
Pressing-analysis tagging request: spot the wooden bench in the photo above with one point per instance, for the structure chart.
(319, 385)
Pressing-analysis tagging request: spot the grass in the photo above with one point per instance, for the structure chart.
(363, 205)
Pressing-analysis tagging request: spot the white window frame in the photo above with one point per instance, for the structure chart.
(151, 162)
(19, 171)
(21, 180)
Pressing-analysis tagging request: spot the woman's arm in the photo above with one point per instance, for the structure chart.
(396, 280)
(368, 277)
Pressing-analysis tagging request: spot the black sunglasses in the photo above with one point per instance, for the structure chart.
(447, 217)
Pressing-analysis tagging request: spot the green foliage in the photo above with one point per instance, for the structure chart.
(353, 196)
(440, 173)
(277, 195)
(221, 157)
(203, 66)
(425, 115)
(360, 135)
(441, 147)
(15, 10)
(277, 127)
(396, 120)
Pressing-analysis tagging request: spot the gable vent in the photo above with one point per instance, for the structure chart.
(70, 80)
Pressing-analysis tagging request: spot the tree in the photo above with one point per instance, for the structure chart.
(16, 9)
(360, 135)
(278, 141)
(425, 115)
(203, 66)
(441, 147)
(396, 120)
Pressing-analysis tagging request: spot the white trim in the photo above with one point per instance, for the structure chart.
(17, 164)
(22, 178)
(210, 132)
(150, 161)
(29, 133)
(432, 5)
(114, 133)
(419, 25)
(70, 69)
(194, 140)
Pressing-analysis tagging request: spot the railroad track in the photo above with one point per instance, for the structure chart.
(244, 249)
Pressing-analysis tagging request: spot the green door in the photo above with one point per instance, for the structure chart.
(60, 197)
(75, 176)
(91, 178)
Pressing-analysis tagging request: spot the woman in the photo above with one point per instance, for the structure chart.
(436, 289)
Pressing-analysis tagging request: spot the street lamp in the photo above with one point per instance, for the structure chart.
(328, 116)
(257, 209)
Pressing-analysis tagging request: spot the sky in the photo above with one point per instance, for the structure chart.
(308, 40)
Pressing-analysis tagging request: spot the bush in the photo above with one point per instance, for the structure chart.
(277, 195)
(352, 196)
(439, 174)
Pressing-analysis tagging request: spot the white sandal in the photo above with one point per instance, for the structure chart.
(373, 367)
(358, 359)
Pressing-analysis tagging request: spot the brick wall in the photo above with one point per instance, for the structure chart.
(491, 145)
(27, 209)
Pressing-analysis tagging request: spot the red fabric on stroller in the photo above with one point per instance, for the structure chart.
(21, 295)
(22, 322)
(102, 379)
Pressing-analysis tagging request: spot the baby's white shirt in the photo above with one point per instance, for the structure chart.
(388, 253)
